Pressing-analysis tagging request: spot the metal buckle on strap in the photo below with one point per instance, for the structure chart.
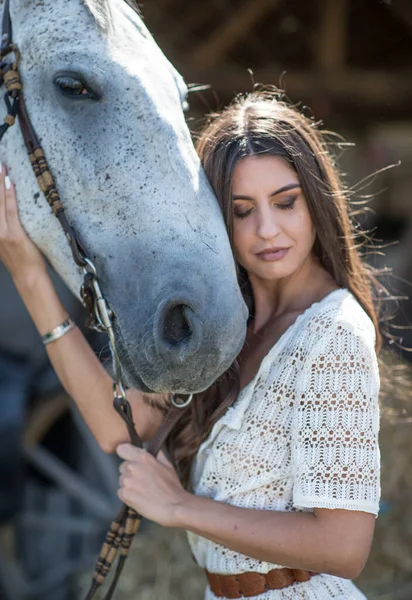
(102, 312)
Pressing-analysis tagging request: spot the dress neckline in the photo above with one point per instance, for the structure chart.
(269, 355)
(233, 416)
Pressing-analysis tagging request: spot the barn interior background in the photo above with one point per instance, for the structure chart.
(349, 64)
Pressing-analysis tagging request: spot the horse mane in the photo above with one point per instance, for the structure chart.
(100, 10)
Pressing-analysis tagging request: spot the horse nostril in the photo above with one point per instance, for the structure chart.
(177, 326)
(178, 329)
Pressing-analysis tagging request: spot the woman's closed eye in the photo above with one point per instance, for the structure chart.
(242, 212)
(287, 203)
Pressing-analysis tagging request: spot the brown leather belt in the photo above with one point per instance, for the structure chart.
(246, 585)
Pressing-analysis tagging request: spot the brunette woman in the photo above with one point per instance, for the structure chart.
(274, 471)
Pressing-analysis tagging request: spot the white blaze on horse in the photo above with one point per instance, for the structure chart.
(107, 107)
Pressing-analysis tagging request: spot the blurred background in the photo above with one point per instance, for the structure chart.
(348, 63)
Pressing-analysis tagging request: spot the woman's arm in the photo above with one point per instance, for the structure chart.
(75, 363)
(81, 373)
(327, 541)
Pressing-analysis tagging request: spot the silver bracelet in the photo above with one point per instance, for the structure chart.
(58, 332)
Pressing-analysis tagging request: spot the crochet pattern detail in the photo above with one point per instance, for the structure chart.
(303, 434)
(335, 425)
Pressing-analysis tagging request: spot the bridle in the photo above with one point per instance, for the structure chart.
(124, 527)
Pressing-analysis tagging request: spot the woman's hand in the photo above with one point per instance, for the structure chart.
(150, 485)
(17, 252)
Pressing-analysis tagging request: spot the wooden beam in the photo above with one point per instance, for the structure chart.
(363, 88)
(330, 43)
(253, 42)
(225, 37)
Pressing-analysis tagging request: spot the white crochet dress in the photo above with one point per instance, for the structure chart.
(302, 434)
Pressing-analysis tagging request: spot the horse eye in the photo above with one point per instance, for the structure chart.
(74, 88)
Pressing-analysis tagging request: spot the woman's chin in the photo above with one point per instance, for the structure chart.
(270, 274)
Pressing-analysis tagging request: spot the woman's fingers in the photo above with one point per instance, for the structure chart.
(12, 212)
(161, 457)
(9, 215)
(3, 222)
(17, 252)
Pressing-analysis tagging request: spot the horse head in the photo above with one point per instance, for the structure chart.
(107, 107)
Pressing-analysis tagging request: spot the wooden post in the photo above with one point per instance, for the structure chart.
(330, 45)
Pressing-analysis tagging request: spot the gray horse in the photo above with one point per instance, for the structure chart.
(107, 107)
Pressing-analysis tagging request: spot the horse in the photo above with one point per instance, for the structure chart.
(107, 107)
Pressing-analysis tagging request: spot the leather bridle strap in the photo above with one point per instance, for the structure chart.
(46, 182)
(15, 103)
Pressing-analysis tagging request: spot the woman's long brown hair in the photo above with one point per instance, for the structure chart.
(255, 124)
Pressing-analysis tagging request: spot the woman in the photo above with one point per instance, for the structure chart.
(283, 485)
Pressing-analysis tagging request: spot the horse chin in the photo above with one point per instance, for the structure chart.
(152, 379)
(133, 380)
(163, 382)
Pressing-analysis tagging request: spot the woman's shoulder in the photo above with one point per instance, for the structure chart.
(336, 325)
(336, 313)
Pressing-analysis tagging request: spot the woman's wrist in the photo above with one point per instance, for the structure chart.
(41, 300)
(186, 511)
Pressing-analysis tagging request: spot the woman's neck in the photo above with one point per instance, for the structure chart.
(274, 299)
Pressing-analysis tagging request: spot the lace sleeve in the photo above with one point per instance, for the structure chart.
(335, 452)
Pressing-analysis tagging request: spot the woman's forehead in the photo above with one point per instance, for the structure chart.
(263, 170)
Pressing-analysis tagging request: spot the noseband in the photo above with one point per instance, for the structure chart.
(125, 526)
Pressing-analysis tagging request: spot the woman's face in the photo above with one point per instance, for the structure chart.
(273, 233)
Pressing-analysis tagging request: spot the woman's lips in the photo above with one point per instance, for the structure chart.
(272, 255)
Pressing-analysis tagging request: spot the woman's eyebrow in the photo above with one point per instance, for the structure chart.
(285, 188)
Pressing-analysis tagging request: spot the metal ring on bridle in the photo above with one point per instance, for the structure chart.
(102, 312)
(182, 404)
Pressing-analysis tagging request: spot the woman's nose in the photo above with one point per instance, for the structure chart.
(268, 226)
